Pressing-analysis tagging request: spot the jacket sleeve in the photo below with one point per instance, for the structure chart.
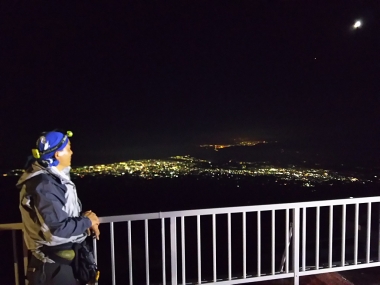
(49, 206)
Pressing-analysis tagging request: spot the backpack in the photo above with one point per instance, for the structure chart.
(84, 265)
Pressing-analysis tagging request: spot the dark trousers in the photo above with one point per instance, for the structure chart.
(40, 273)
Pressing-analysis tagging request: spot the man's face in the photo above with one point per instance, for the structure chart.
(64, 156)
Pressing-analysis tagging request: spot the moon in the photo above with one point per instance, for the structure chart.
(357, 25)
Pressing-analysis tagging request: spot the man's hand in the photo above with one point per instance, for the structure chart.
(93, 217)
(95, 230)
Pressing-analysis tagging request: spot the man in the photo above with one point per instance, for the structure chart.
(51, 212)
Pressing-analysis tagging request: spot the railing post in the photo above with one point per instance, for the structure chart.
(285, 257)
(25, 255)
(173, 249)
(296, 244)
(113, 263)
(147, 252)
(163, 251)
(95, 253)
(130, 253)
(378, 241)
(15, 259)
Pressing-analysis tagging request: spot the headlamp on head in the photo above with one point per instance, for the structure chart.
(37, 154)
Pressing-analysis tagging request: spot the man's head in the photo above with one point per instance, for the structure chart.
(54, 149)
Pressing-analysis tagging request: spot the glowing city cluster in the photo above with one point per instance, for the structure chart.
(185, 165)
(180, 166)
(216, 147)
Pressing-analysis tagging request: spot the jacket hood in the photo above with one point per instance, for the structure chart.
(36, 169)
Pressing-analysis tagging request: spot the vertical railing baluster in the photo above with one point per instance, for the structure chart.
(304, 239)
(331, 221)
(173, 249)
(113, 254)
(369, 214)
(94, 249)
(296, 244)
(199, 249)
(25, 255)
(229, 245)
(183, 250)
(356, 233)
(287, 241)
(163, 251)
(273, 241)
(146, 253)
(15, 259)
(130, 252)
(317, 238)
(244, 245)
(343, 253)
(259, 243)
(214, 247)
(25, 250)
(378, 237)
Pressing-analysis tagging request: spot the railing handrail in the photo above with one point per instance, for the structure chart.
(13, 226)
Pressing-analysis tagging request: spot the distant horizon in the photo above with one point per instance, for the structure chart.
(164, 151)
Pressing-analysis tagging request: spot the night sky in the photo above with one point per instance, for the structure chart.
(134, 75)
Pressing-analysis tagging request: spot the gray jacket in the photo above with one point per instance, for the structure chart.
(50, 209)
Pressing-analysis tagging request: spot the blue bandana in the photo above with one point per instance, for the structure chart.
(47, 145)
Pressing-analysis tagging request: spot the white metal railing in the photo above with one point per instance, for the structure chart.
(258, 230)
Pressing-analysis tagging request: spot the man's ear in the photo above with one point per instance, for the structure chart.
(58, 154)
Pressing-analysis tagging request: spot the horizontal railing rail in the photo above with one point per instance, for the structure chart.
(239, 244)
